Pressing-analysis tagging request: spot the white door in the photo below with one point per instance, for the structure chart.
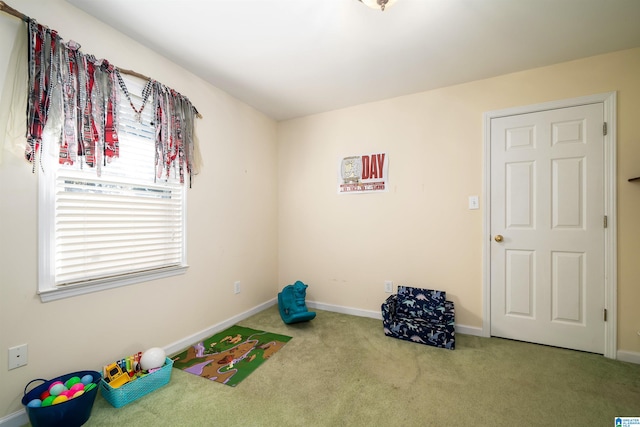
(547, 227)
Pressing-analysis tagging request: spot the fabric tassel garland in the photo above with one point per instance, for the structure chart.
(44, 48)
(89, 94)
(174, 121)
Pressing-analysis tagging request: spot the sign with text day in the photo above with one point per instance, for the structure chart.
(366, 173)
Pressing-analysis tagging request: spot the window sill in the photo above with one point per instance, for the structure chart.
(87, 288)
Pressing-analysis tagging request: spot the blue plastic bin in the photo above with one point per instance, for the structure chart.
(127, 393)
(74, 412)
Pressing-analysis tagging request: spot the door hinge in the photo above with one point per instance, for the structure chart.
(604, 128)
(605, 314)
(606, 222)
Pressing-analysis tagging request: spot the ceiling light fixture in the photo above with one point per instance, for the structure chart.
(378, 4)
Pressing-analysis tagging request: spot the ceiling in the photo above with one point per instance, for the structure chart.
(291, 58)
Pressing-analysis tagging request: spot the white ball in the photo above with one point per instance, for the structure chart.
(152, 358)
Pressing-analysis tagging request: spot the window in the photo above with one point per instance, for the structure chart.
(119, 228)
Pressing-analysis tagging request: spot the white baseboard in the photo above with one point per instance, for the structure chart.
(623, 356)
(20, 418)
(628, 356)
(345, 310)
(461, 329)
(469, 330)
(206, 333)
(16, 419)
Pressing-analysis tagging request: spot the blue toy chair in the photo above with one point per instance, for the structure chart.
(291, 304)
(420, 315)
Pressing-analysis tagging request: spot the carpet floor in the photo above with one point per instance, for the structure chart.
(340, 370)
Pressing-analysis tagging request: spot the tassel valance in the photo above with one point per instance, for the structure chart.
(77, 95)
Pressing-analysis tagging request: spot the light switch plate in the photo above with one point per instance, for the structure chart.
(388, 286)
(473, 202)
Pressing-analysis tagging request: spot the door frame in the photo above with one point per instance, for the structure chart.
(610, 258)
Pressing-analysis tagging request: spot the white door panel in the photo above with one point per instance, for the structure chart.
(547, 202)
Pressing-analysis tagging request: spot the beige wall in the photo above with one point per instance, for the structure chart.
(265, 211)
(421, 232)
(232, 221)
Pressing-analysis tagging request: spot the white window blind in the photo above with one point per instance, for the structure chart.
(110, 228)
(121, 225)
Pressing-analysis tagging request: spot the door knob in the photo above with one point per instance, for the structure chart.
(498, 238)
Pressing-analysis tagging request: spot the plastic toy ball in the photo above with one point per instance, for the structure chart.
(152, 358)
(59, 399)
(45, 394)
(86, 379)
(66, 393)
(77, 393)
(35, 403)
(71, 381)
(48, 401)
(76, 387)
(53, 384)
(90, 387)
(56, 389)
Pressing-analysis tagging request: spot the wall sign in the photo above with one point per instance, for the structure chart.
(366, 173)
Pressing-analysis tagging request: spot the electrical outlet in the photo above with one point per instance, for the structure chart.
(388, 286)
(18, 356)
(236, 287)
